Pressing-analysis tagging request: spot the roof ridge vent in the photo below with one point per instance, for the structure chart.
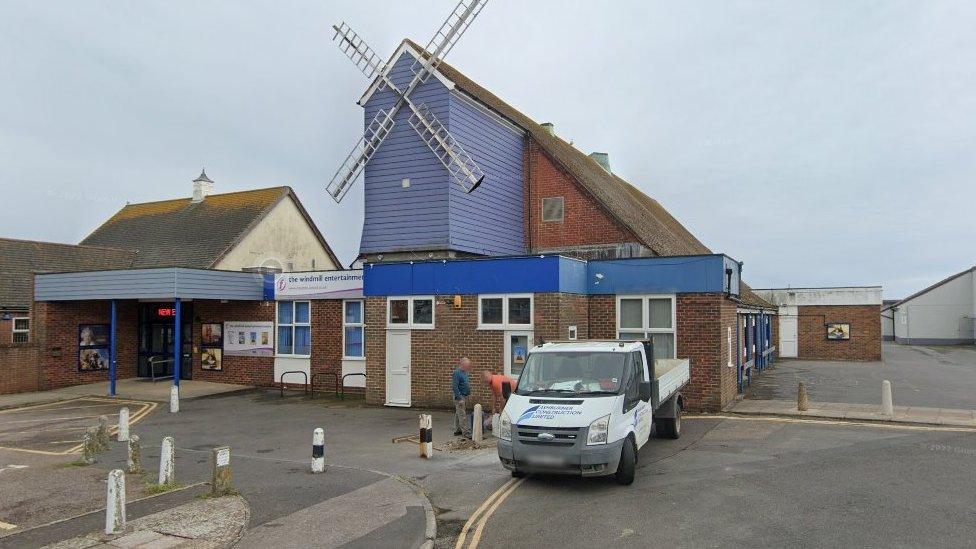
(603, 159)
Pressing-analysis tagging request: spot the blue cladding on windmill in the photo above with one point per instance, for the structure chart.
(459, 164)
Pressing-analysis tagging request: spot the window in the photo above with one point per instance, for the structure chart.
(21, 328)
(294, 328)
(553, 208)
(352, 329)
(648, 317)
(410, 312)
(502, 312)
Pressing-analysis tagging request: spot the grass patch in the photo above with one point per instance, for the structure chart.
(153, 489)
(211, 495)
(77, 463)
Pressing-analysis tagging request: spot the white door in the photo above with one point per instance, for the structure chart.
(788, 345)
(398, 367)
(517, 344)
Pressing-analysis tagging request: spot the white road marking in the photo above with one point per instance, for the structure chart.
(12, 467)
(7, 525)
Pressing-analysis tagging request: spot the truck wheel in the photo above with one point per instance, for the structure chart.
(628, 463)
(517, 474)
(669, 427)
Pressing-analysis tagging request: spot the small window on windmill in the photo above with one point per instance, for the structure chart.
(552, 208)
(405, 183)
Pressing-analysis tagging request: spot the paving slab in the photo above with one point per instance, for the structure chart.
(839, 410)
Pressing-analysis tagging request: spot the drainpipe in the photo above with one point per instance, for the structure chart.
(112, 348)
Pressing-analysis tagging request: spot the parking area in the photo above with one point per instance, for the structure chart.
(930, 376)
(58, 428)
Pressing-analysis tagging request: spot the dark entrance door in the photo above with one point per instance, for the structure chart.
(156, 340)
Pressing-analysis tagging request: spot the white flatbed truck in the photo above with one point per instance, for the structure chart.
(587, 407)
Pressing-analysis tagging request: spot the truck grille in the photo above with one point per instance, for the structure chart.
(561, 436)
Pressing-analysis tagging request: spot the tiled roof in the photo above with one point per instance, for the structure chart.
(20, 259)
(183, 233)
(645, 217)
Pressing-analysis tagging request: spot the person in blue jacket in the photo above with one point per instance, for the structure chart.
(461, 387)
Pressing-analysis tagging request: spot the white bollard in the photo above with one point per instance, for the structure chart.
(426, 436)
(887, 407)
(123, 434)
(477, 424)
(174, 399)
(318, 450)
(115, 503)
(167, 462)
(495, 418)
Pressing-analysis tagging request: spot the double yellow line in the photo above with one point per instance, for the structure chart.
(481, 515)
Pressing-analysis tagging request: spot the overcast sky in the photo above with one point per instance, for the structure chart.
(821, 143)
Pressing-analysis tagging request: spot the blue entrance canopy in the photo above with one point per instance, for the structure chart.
(165, 283)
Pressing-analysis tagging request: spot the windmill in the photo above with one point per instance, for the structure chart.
(459, 164)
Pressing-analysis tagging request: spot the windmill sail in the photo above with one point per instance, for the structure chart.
(362, 151)
(447, 36)
(452, 155)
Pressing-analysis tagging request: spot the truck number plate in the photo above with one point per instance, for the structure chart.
(545, 460)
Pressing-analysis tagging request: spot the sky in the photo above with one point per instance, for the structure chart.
(823, 143)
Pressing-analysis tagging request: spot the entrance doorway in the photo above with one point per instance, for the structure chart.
(516, 351)
(788, 344)
(398, 367)
(156, 337)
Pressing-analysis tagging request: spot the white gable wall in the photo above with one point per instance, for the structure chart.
(282, 237)
(942, 315)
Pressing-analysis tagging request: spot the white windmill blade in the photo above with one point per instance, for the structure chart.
(362, 151)
(358, 51)
(444, 39)
(451, 154)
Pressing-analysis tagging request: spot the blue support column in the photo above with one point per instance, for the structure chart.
(738, 350)
(177, 343)
(112, 348)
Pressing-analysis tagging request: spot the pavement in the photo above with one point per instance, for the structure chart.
(929, 376)
(134, 389)
(866, 412)
(202, 524)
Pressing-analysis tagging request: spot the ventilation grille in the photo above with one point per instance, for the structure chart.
(552, 209)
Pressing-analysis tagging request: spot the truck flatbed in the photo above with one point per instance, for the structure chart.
(670, 375)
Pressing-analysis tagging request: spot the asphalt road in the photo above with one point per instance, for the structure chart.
(937, 377)
(760, 483)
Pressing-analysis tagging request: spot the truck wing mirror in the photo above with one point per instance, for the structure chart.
(645, 391)
(506, 389)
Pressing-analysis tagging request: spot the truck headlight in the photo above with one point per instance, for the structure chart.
(598, 431)
(505, 427)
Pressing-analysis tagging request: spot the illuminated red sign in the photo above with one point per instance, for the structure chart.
(166, 312)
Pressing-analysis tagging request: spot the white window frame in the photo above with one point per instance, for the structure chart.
(411, 325)
(293, 324)
(14, 331)
(645, 308)
(506, 325)
(361, 324)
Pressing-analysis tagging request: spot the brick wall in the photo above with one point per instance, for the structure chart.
(703, 326)
(56, 337)
(243, 370)
(19, 367)
(865, 341)
(434, 353)
(584, 223)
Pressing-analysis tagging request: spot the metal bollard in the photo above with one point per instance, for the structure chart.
(221, 479)
(90, 448)
(167, 462)
(174, 399)
(123, 434)
(887, 406)
(115, 503)
(133, 464)
(802, 400)
(103, 433)
(426, 436)
(318, 450)
(477, 424)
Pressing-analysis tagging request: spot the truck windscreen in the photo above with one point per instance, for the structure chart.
(576, 373)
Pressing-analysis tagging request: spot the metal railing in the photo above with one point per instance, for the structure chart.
(281, 380)
(335, 377)
(153, 361)
(342, 388)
